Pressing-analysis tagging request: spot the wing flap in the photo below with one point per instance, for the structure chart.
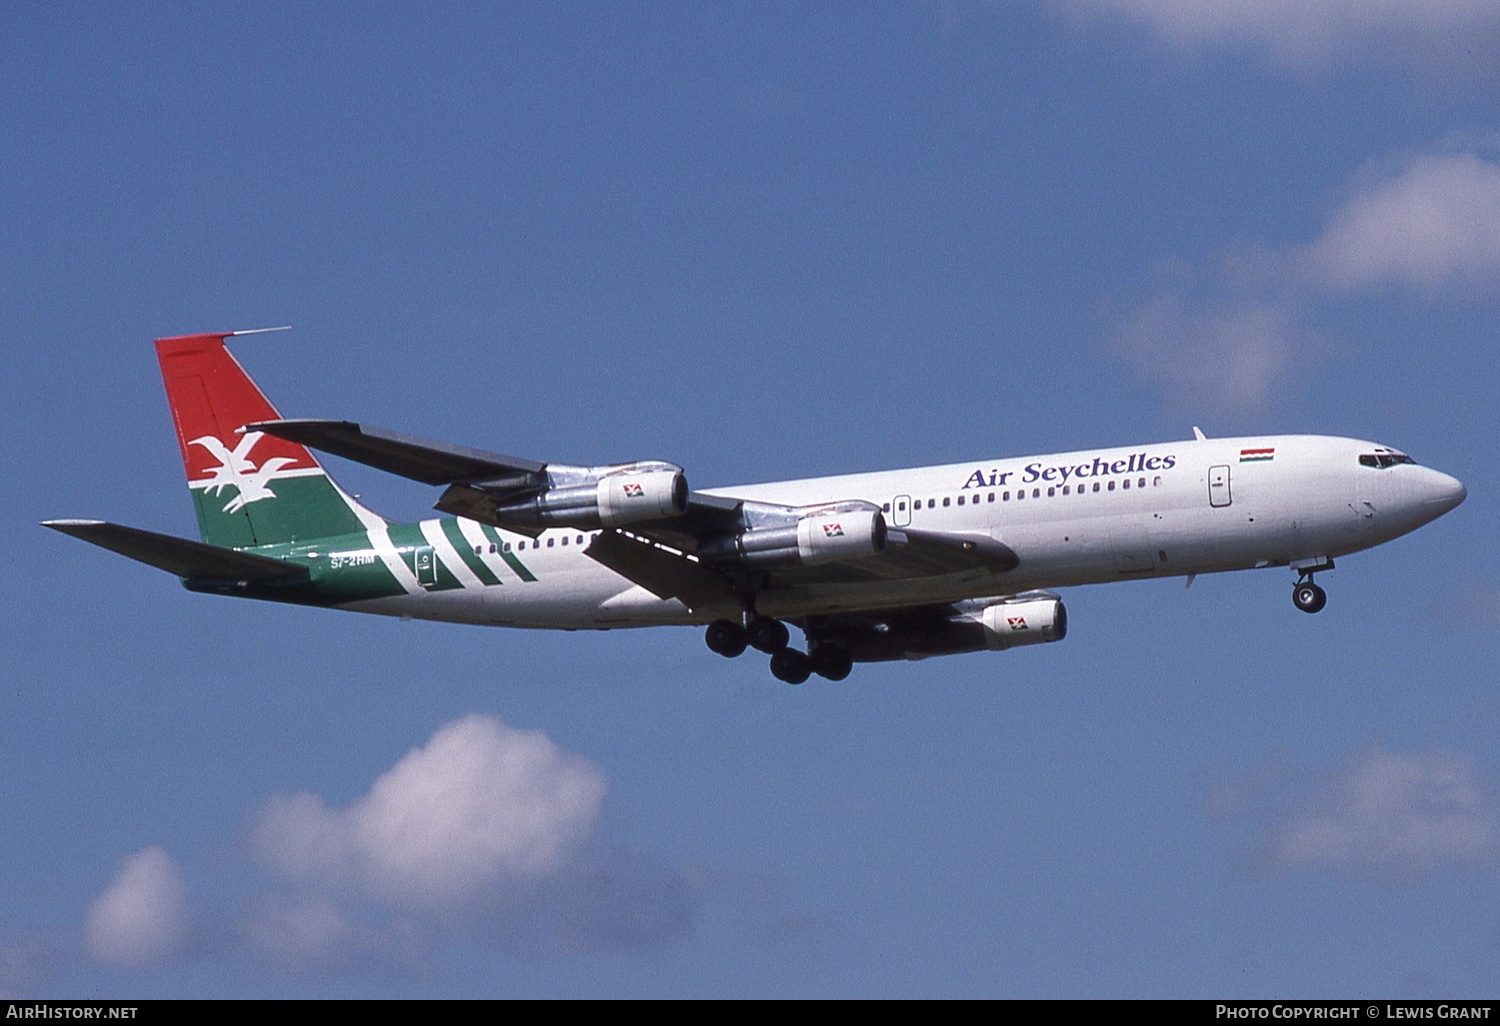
(665, 574)
(188, 559)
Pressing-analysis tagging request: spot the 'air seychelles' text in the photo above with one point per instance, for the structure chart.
(1133, 464)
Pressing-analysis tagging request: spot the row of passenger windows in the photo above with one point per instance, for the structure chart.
(522, 546)
(1020, 493)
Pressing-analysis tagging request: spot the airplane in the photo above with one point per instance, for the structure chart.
(903, 564)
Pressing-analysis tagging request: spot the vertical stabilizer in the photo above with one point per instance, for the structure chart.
(248, 489)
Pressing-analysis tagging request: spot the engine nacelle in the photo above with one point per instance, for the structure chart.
(1027, 619)
(627, 494)
(630, 497)
(1024, 621)
(813, 539)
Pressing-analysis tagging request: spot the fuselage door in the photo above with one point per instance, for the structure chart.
(901, 511)
(1218, 486)
(425, 566)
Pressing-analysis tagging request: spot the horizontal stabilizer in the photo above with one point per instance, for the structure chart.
(422, 460)
(188, 559)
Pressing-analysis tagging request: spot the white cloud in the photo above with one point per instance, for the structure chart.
(1303, 30)
(141, 919)
(480, 807)
(1228, 355)
(1384, 816)
(1228, 339)
(309, 933)
(1435, 223)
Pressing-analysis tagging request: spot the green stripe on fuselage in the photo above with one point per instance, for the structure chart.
(408, 538)
(505, 554)
(466, 552)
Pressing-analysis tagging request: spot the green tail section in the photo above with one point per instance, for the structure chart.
(304, 508)
(248, 489)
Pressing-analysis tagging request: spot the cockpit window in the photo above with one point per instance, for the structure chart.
(1383, 459)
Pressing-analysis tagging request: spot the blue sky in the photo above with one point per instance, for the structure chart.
(759, 241)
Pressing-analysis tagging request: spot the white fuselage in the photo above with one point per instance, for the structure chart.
(1089, 517)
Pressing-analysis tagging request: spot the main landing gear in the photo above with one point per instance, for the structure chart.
(771, 636)
(1306, 595)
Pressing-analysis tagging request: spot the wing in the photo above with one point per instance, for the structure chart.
(403, 455)
(676, 543)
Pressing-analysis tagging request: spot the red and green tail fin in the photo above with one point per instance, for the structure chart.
(248, 488)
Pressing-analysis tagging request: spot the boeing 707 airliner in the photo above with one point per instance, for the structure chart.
(902, 564)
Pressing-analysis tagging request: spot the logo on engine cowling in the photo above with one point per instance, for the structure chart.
(833, 530)
(634, 491)
(1017, 623)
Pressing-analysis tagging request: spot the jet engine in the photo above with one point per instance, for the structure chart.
(816, 538)
(1028, 619)
(613, 496)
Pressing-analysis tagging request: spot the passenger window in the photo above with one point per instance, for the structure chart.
(1156, 482)
(885, 507)
(565, 539)
(1051, 492)
(960, 500)
(1111, 486)
(1065, 489)
(932, 504)
(551, 542)
(1036, 493)
(992, 496)
(1141, 483)
(507, 547)
(479, 550)
(1020, 494)
(1005, 497)
(1096, 486)
(580, 539)
(1126, 485)
(946, 501)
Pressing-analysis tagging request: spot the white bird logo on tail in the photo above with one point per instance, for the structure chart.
(238, 471)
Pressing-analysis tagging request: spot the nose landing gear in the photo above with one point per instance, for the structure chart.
(1306, 595)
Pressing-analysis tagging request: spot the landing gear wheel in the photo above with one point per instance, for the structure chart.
(791, 666)
(726, 637)
(1308, 597)
(831, 661)
(767, 634)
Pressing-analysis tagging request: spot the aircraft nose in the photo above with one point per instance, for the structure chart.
(1442, 493)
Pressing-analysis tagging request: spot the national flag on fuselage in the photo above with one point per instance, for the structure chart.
(1257, 455)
